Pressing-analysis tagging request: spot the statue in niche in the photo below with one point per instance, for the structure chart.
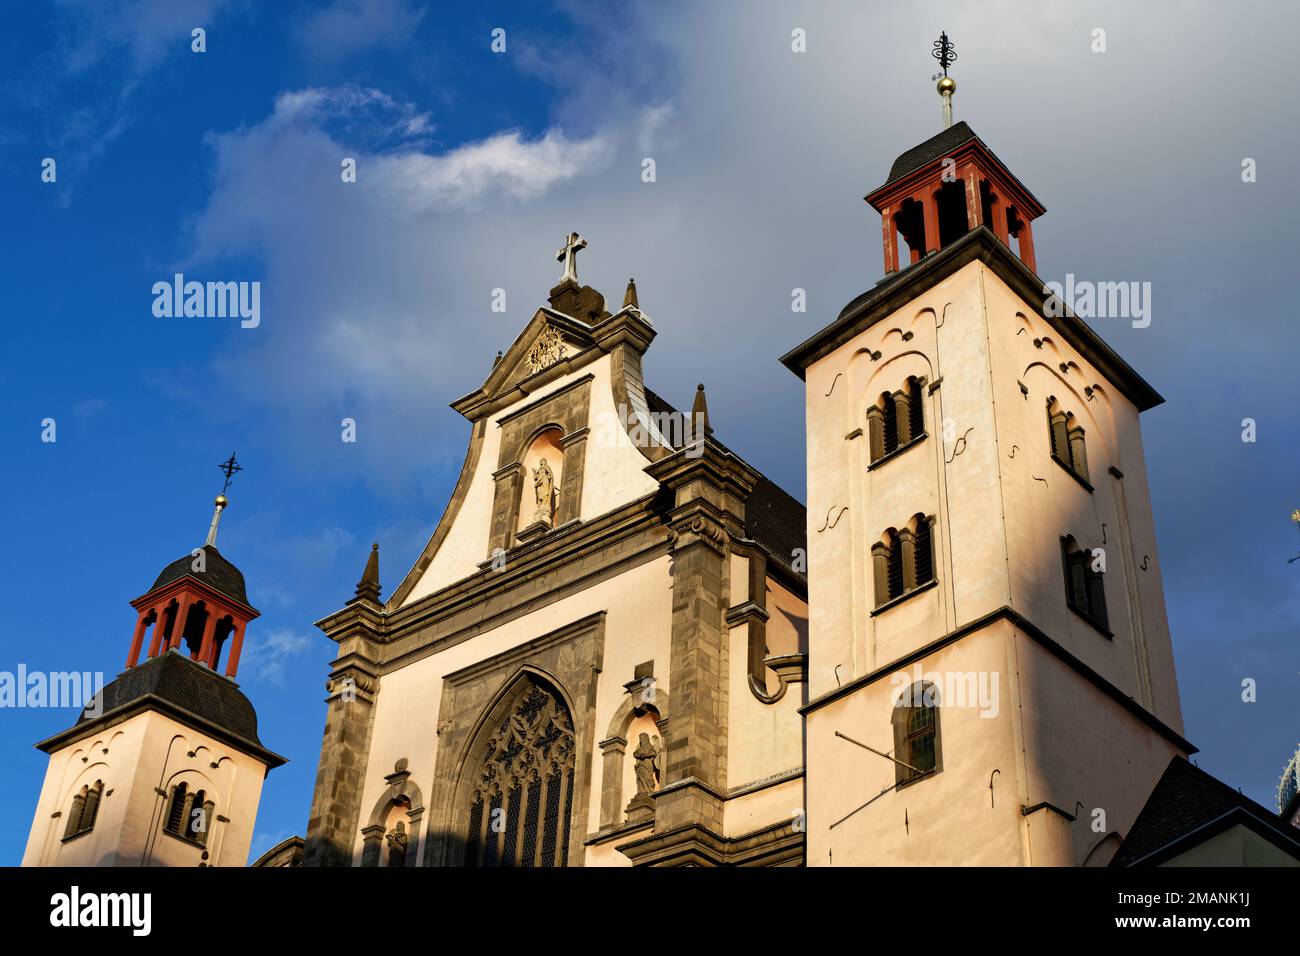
(647, 764)
(397, 845)
(544, 487)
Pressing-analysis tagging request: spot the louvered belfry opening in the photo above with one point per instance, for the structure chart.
(522, 799)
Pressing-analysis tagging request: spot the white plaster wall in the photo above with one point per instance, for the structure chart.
(952, 474)
(944, 820)
(614, 475)
(147, 752)
(1139, 657)
(1041, 748)
(779, 802)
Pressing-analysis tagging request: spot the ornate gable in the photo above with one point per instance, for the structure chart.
(544, 350)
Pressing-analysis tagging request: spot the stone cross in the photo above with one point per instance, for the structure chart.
(568, 254)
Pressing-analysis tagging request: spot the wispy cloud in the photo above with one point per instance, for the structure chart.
(269, 658)
(348, 27)
(85, 87)
(378, 287)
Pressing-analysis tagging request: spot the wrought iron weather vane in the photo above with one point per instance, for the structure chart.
(946, 54)
(228, 468)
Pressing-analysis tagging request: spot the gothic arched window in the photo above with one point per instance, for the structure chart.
(916, 733)
(522, 784)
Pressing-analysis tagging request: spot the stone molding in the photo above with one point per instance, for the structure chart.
(693, 845)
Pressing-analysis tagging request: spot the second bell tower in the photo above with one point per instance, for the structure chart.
(990, 667)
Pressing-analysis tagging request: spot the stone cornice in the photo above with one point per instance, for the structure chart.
(980, 244)
(705, 460)
(1022, 624)
(440, 620)
(696, 845)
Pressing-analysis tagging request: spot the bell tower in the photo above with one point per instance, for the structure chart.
(991, 678)
(164, 767)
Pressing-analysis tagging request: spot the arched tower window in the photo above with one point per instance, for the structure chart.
(1085, 590)
(903, 560)
(84, 809)
(178, 810)
(910, 223)
(190, 815)
(896, 419)
(954, 221)
(523, 779)
(1067, 439)
(916, 733)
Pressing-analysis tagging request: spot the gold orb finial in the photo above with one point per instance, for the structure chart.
(221, 501)
(947, 85)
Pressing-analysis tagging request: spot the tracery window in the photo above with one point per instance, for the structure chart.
(522, 796)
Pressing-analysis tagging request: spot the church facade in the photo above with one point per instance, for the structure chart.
(625, 646)
(599, 656)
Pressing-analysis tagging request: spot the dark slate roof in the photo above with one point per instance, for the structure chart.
(773, 517)
(776, 520)
(217, 573)
(178, 683)
(936, 147)
(1185, 799)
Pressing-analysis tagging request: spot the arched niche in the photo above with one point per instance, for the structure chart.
(382, 840)
(543, 477)
(644, 708)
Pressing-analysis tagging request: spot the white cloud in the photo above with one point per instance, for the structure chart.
(140, 32)
(504, 165)
(379, 291)
(269, 658)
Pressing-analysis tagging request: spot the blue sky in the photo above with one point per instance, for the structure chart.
(472, 165)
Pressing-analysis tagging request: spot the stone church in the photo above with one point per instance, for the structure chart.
(623, 645)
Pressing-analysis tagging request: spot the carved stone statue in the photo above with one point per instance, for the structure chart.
(544, 486)
(647, 765)
(397, 845)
